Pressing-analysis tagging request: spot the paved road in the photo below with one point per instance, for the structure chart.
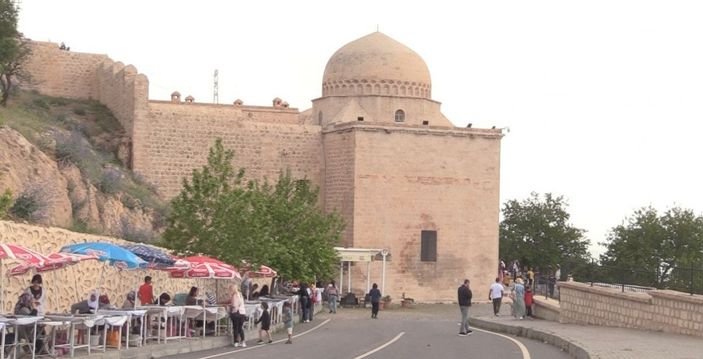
(395, 335)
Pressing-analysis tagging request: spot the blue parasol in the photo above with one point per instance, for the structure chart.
(155, 257)
(115, 255)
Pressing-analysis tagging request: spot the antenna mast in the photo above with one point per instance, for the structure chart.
(215, 90)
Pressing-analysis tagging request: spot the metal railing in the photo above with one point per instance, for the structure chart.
(687, 280)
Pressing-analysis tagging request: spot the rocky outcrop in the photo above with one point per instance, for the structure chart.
(24, 168)
(67, 198)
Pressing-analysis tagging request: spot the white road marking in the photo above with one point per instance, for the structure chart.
(523, 348)
(254, 346)
(381, 347)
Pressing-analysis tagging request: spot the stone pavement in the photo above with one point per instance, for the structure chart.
(582, 341)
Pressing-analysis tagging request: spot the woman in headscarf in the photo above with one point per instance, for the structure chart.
(519, 298)
(87, 306)
(129, 301)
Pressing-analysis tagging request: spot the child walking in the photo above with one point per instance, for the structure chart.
(265, 321)
(528, 301)
(288, 321)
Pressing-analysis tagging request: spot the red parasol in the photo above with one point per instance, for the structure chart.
(53, 261)
(205, 267)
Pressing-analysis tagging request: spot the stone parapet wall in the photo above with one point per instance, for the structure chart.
(123, 90)
(60, 73)
(70, 285)
(175, 139)
(229, 112)
(658, 310)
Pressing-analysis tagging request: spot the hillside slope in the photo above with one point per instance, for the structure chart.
(64, 161)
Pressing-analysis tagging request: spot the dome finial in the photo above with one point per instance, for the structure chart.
(377, 28)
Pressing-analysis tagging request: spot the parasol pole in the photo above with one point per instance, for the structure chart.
(102, 274)
(2, 288)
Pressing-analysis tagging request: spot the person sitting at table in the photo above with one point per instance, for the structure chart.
(25, 306)
(192, 298)
(129, 301)
(254, 291)
(264, 292)
(164, 298)
(104, 302)
(38, 293)
(87, 306)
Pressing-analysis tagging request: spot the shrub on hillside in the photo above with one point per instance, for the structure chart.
(80, 111)
(5, 203)
(29, 205)
(131, 232)
(110, 181)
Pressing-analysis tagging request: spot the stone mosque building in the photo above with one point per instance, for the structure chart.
(408, 184)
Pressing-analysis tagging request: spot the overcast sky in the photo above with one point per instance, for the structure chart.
(603, 98)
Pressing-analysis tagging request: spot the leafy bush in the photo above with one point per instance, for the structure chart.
(28, 205)
(58, 101)
(133, 233)
(5, 203)
(80, 111)
(41, 103)
(81, 226)
(110, 181)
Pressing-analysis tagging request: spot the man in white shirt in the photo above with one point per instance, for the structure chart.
(496, 295)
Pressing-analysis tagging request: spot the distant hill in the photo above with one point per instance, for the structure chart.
(65, 162)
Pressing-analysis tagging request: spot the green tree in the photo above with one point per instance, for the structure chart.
(297, 237)
(537, 232)
(205, 205)
(656, 250)
(14, 50)
(279, 225)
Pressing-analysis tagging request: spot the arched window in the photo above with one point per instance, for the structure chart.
(319, 118)
(399, 116)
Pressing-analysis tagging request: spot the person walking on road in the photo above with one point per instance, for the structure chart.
(375, 295)
(495, 294)
(464, 295)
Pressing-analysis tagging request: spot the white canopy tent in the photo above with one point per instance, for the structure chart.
(367, 255)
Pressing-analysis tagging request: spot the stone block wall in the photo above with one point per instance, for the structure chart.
(338, 189)
(62, 73)
(123, 90)
(411, 179)
(174, 139)
(72, 284)
(657, 310)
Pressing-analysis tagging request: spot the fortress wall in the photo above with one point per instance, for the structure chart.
(338, 189)
(72, 284)
(62, 73)
(228, 112)
(123, 90)
(174, 139)
(656, 310)
(409, 180)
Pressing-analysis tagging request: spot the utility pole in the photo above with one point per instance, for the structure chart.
(215, 92)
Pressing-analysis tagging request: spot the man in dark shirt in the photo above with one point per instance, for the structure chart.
(464, 295)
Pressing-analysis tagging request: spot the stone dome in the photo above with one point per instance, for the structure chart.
(376, 65)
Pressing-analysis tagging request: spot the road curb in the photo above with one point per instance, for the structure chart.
(573, 349)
